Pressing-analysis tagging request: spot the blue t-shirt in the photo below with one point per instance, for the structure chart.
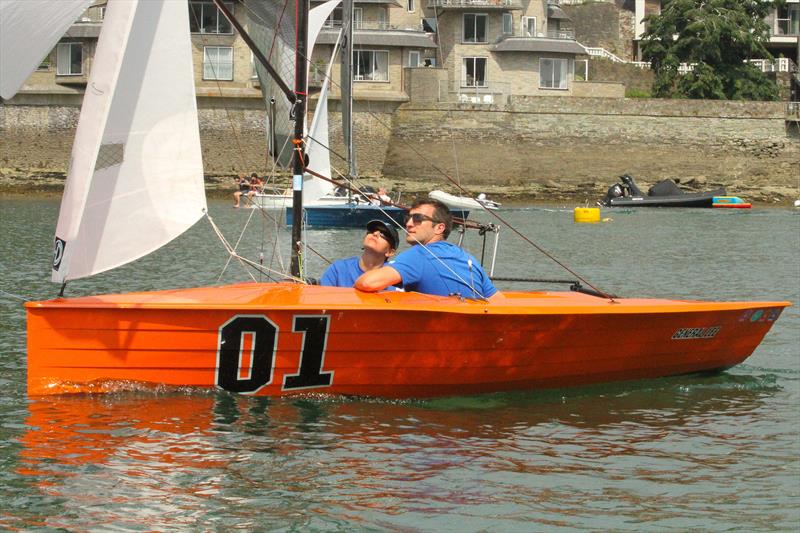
(422, 272)
(342, 273)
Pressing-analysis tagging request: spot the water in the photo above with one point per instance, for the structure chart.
(717, 453)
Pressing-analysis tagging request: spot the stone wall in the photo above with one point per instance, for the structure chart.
(557, 142)
(596, 89)
(587, 142)
(232, 133)
(599, 25)
(633, 77)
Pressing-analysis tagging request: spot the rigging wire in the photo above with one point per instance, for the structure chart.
(418, 153)
(15, 296)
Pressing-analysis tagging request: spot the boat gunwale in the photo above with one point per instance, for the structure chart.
(513, 302)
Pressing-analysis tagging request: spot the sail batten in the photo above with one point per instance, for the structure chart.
(135, 180)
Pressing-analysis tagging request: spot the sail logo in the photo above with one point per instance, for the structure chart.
(58, 252)
(696, 333)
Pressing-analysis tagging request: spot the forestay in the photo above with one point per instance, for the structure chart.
(135, 179)
(29, 29)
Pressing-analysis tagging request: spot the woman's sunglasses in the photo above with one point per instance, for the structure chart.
(419, 218)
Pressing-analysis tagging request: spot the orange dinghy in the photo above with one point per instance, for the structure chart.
(135, 182)
(286, 338)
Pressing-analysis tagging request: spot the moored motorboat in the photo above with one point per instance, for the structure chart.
(730, 202)
(663, 194)
(462, 202)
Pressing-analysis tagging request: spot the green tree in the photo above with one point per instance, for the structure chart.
(716, 36)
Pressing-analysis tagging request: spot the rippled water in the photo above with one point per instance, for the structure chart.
(688, 453)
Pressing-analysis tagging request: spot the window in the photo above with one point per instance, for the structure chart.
(336, 18)
(413, 58)
(474, 28)
(553, 73)
(102, 13)
(382, 23)
(69, 60)
(473, 71)
(410, 7)
(217, 63)
(370, 65)
(204, 17)
(508, 24)
(253, 63)
(45, 64)
(529, 26)
(788, 20)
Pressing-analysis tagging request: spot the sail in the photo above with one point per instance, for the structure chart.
(29, 29)
(317, 141)
(135, 179)
(271, 25)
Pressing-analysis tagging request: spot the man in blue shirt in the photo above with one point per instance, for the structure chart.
(379, 244)
(432, 265)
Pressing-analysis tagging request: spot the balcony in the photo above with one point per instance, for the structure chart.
(502, 5)
(487, 94)
(370, 25)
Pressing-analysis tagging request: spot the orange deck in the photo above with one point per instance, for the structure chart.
(275, 339)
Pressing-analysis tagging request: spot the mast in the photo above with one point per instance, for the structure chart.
(299, 113)
(346, 83)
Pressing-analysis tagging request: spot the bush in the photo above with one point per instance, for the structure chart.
(633, 92)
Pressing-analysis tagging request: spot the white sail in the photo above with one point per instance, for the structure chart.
(29, 29)
(135, 180)
(319, 159)
(317, 141)
(316, 20)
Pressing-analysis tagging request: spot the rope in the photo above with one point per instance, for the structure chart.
(15, 296)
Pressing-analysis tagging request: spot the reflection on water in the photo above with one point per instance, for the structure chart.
(214, 460)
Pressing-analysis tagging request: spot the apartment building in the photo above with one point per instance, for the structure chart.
(490, 49)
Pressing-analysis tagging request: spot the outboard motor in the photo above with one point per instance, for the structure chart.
(615, 191)
(633, 190)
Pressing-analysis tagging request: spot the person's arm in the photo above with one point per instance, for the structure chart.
(378, 279)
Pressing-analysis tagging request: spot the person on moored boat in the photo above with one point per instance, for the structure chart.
(379, 245)
(432, 265)
(244, 187)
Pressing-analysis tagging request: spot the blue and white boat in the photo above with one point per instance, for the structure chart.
(355, 215)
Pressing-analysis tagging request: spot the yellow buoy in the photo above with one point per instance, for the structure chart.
(587, 214)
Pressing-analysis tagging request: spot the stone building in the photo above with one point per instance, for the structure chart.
(482, 51)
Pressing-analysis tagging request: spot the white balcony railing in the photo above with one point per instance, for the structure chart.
(560, 34)
(473, 3)
(488, 94)
(781, 64)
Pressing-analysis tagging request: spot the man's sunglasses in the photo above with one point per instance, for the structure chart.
(419, 218)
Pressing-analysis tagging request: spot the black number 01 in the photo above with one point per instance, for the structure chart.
(262, 361)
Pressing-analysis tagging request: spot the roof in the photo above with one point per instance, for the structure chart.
(408, 39)
(538, 44)
(555, 12)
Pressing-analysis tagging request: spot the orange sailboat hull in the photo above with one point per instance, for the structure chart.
(279, 339)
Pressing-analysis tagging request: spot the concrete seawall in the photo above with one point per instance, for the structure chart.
(536, 147)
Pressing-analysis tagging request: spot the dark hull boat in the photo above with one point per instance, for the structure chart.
(663, 194)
